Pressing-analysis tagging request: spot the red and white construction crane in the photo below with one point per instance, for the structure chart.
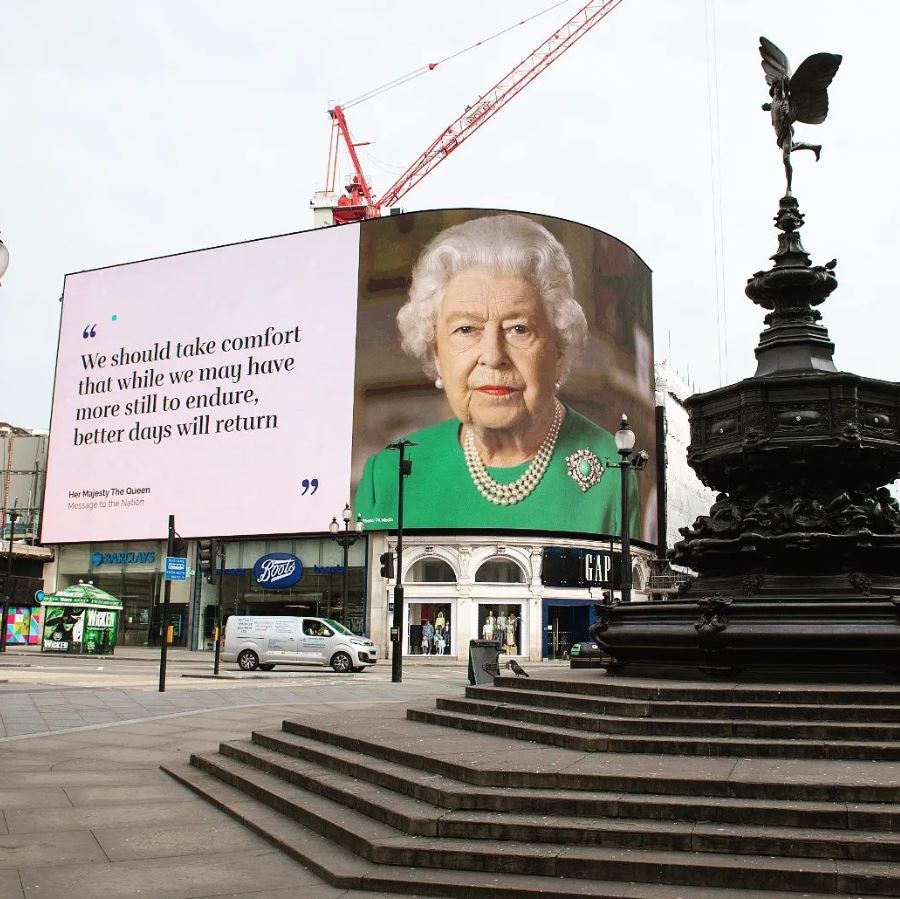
(360, 202)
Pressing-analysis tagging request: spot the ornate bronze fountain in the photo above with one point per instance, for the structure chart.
(798, 560)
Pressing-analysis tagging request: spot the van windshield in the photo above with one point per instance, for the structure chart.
(337, 626)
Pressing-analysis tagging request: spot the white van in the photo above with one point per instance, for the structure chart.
(255, 641)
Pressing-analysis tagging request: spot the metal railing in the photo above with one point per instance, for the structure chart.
(662, 583)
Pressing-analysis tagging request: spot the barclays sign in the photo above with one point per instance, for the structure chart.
(275, 571)
(123, 558)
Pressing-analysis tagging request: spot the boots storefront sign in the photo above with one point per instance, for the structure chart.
(276, 571)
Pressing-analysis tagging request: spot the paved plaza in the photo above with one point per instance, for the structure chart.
(85, 811)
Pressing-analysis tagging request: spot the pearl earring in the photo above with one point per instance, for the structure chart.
(439, 383)
(557, 385)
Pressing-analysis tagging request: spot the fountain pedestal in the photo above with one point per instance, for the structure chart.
(798, 560)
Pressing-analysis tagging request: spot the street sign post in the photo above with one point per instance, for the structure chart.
(176, 568)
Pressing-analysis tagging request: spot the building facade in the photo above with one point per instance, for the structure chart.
(23, 465)
(470, 585)
(473, 587)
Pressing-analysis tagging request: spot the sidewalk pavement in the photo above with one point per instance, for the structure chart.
(86, 813)
(37, 698)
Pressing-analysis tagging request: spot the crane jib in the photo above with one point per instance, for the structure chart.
(362, 201)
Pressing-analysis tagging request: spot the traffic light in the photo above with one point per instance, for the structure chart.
(387, 564)
(206, 552)
(179, 548)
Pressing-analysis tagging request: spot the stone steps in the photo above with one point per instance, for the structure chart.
(375, 842)
(697, 708)
(519, 706)
(344, 869)
(419, 818)
(458, 800)
(632, 782)
(448, 793)
(511, 721)
(884, 695)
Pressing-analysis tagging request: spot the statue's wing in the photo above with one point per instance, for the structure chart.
(775, 64)
(809, 87)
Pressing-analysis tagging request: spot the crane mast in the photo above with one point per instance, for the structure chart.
(359, 202)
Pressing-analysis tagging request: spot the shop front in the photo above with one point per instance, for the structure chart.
(564, 623)
(504, 623)
(131, 572)
(446, 607)
(533, 598)
(430, 628)
(431, 610)
(284, 576)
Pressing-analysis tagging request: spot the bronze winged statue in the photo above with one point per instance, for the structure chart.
(798, 97)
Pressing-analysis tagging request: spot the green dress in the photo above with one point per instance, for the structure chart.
(440, 493)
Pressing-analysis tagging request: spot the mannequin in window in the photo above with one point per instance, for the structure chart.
(487, 632)
(511, 623)
(427, 637)
(500, 630)
(439, 622)
(439, 641)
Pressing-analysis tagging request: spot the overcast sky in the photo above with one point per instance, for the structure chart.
(133, 130)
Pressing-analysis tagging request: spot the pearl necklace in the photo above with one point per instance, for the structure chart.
(510, 494)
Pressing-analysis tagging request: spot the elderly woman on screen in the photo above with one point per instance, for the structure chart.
(492, 317)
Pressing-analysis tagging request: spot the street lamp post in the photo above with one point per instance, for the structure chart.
(404, 470)
(628, 459)
(345, 539)
(7, 587)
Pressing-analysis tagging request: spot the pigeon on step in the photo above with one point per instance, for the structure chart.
(517, 669)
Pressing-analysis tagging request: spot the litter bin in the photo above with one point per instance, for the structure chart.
(483, 661)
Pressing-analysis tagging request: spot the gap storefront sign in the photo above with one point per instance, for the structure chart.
(277, 571)
(576, 567)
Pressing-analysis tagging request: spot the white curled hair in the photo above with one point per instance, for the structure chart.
(507, 245)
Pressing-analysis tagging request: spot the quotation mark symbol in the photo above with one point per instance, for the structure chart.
(89, 331)
(306, 483)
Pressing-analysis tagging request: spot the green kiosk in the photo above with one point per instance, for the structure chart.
(81, 619)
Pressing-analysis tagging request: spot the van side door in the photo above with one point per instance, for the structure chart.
(314, 636)
(281, 644)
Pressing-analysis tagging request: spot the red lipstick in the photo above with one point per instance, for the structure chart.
(495, 390)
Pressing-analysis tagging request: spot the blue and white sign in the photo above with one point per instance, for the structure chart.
(176, 568)
(275, 571)
(123, 558)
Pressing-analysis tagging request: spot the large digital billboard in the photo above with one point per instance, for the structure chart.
(251, 389)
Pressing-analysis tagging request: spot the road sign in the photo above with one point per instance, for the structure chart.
(176, 568)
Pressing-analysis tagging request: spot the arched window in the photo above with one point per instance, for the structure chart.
(431, 571)
(500, 571)
(638, 579)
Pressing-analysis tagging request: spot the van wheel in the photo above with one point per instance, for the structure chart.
(248, 660)
(267, 667)
(341, 662)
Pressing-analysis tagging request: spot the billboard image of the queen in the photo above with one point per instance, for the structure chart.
(517, 343)
(505, 346)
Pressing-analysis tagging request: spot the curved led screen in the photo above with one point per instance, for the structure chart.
(253, 388)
